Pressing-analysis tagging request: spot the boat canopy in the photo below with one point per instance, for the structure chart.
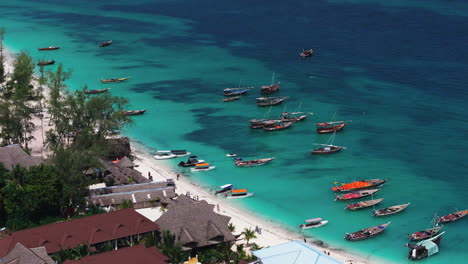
(431, 247)
(239, 191)
(183, 151)
(313, 220)
(225, 186)
(202, 164)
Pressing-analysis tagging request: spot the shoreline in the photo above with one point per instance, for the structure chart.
(271, 233)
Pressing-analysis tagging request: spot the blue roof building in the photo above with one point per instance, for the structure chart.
(294, 252)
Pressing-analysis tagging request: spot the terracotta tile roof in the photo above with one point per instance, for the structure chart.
(131, 255)
(86, 230)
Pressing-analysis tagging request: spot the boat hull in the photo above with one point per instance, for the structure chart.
(240, 196)
(202, 169)
(322, 223)
(332, 129)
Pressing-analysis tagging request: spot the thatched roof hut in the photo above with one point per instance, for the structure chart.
(119, 147)
(13, 155)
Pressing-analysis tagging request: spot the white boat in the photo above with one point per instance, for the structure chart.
(202, 167)
(425, 248)
(239, 193)
(224, 188)
(180, 153)
(231, 155)
(164, 154)
(313, 223)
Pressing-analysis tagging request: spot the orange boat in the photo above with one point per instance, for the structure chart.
(359, 185)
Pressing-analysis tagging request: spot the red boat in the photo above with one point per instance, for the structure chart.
(306, 53)
(49, 48)
(356, 195)
(330, 127)
(359, 185)
(269, 89)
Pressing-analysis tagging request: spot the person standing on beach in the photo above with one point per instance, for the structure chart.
(217, 207)
(178, 176)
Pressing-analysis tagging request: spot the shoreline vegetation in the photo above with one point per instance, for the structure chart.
(46, 135)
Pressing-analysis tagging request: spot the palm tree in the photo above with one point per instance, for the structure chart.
(171, 248)
(232, 227)
(248, 234)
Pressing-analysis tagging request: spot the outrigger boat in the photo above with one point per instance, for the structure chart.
(202, 167)
(425, 234)
(306, 53)
(425, 248)
(113, 80)
(359, 185)
(236, 91)
(451, 217)
(252, 163)
(268, 101)
(313, 223)
(105, 43)
(390, 210)
(97, 91)
(330, 127)
(230, 99)
(239, 193)
(134, 112)
(224, 188)
(366, 232)
(278, 126)
(44, 63)
(192, 161)
(356, 195)
(49, 48)
(363, 204)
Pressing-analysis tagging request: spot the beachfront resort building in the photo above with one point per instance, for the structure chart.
(294, 252)
(195, 224)
(130, 255)
(118, 228)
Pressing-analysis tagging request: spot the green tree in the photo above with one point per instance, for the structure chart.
(232, 227)
(19, 87)
(171, 248)
(125, 204)
(31, 194)
(248, 234)
(2, 59)
(210, 256)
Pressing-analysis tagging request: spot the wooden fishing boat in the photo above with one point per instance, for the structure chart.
(356, 195)
(363, 204)
(239, 193)
(230, 99)
(327, 149)
(359, 185)
(366, 232)
(49, 48)
(191, 161)
(294, 116)
(452, 217)
(163, 154)
(252, 163)
(306, 53)
(202, 167)
(105, 43)
(260, 123)
(390, 210)
(425, 248)
(270, 89)
(268, 101)
(97, 91)
(330, 127)
(44, 63)
(235, 91)
(113, 80)
(278, 126)
(425, 234)
(224, 188)
(313, 223)
(134, 112)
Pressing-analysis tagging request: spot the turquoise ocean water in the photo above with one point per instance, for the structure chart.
(397, 69)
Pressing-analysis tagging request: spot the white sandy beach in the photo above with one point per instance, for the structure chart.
(271, 233)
